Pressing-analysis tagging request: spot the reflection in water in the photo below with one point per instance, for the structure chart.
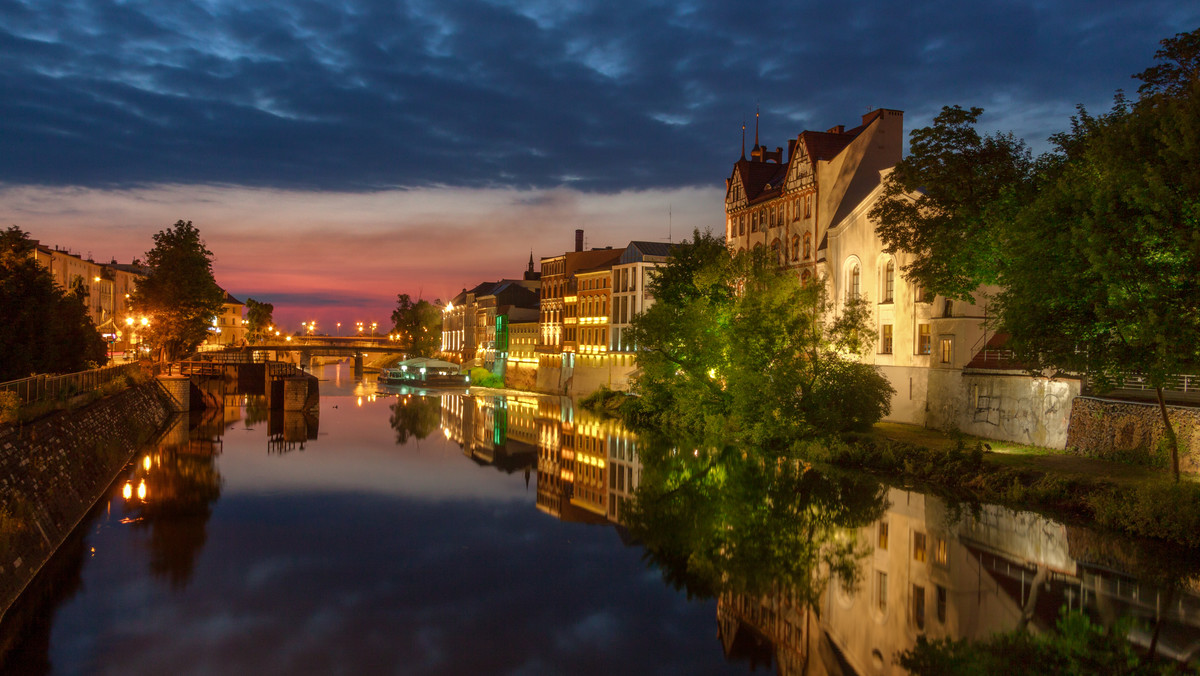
(820, 573)
(170, 492)
(415, 417)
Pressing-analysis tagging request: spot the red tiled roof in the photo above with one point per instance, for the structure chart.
(756, 176)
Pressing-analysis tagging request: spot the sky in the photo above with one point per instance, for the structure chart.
(336, 153)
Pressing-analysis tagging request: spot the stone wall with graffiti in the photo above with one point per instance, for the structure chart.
(1009, 406)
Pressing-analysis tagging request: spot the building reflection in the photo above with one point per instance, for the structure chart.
(851, 575)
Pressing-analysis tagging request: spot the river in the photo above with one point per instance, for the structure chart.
(448, 534)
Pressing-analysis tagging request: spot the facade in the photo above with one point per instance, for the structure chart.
(229, 328)
(630, 294)
(469, 319)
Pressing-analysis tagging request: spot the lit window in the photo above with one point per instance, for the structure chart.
(883, 535)
(947, 350)
(889, 282)
(918, 546)
(940, 554)
(924, 340)
(885, 339)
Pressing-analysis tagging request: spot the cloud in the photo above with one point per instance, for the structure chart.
(369, 95)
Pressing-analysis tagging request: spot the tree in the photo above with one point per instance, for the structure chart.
(1105, 279)
(259, 316)
(45, 329)
(738, 349)
(178, 292)
(419, 323)
(948, 202)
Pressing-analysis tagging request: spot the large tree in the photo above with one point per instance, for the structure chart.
(419, 324)
(45, 329)
(739, 349)
(1105, 261)
(947, 202)
(259, 317)
(178, 292)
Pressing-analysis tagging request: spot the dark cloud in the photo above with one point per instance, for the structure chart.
(376, 94)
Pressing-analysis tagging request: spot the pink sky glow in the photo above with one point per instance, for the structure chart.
(343, 257)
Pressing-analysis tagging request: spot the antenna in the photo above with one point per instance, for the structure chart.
(669, 217)
(743, 137)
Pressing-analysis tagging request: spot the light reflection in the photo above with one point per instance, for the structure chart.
(141, 490)
(146, 462)
(127, 491)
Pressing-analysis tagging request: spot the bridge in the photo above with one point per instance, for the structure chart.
(307, 347)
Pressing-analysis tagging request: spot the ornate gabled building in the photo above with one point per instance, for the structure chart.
(789, 203)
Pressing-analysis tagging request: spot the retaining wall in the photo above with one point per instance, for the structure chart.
(1131, 431)
(53, 470)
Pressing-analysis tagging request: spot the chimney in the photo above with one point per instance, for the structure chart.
(791, 148)
(579, 240)
(840, 129)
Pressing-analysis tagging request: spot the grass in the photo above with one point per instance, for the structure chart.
(1131, 499)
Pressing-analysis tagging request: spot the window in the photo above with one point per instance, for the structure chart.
(940, 554)
(889, 281)
(885, 339)
(883, 535)
(924, 341)
(808, 206)
(807, 245)
(742, 224)
(947, 350)
(775, 253)
(941, 604)
(918, 606)
(920, 295)
(852, 284)
(881, 590)
(795, 247)
(918, 546)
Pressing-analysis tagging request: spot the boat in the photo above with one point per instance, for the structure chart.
(425, 372)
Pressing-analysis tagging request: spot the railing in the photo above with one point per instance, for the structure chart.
(45, 387)
(1185, 383)
(996, 356)
(195, 368)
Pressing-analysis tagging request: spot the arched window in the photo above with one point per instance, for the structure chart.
(795, 247)
(742, 224)
(853, 282)
(807, 245)
(889, 281)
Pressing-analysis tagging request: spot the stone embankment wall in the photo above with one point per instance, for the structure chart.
(1132, 431)
(53, 470)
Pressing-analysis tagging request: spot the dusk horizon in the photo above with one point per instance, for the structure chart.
(333, 156)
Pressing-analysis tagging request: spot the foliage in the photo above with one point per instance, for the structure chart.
(415, 417)
(945, 203)
(737, 348)
(1105, 277)
(722, 520)
(1079, 646)
(605, 402)
(45, 329)
(259, 317)
(178, 292)
(419, 325)
(482, 377)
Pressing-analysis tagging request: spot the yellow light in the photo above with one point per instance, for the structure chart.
(129, 321)
(146, 463)
(360, 401)
(127, 491)
(446, 431)
(289, 338)
(142, 490)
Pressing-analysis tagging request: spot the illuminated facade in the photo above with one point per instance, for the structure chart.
(107, 286)
(630, 295)
(229, 328)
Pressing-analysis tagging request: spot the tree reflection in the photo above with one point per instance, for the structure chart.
(171, 492)
(416, 417)
(728, 520)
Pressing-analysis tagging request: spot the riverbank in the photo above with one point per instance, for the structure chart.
(53, 471)
(1130, 499)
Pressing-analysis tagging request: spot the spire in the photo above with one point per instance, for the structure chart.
(743, 138)
(531, 260)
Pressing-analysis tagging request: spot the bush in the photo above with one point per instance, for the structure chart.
(10, 407)
(482, 377)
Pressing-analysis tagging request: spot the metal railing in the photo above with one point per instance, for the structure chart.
(46, 387)
(1185, 383)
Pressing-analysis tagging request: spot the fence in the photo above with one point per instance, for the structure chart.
(41, 388)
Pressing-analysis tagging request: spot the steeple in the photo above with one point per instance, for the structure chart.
(756, 126)
(531, 260)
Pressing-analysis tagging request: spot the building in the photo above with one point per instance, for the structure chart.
(471, 318)
(106, 287)
(229, 327)
(630, 293)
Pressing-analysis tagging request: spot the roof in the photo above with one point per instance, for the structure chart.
(994, 356)
(757, 176)
(428, 363)
(638, 251)
(230, 300)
